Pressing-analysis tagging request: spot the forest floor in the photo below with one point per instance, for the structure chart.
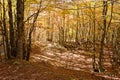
(53, 62)
(42, 71)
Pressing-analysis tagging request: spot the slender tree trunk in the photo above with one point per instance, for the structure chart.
(6, 32)
(77, 27)
(12, 38)
(30, 33)
(49, 25)
(94, 36)
(63, 28)
(105, 8)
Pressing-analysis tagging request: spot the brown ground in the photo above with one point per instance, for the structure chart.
(45, 68)
(42, 71)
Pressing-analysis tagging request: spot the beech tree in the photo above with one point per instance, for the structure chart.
(11, 28)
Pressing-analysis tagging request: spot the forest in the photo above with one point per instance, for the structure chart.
(59, 40)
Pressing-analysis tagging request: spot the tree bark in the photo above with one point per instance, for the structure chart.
(20, 28)
(12, 37)
(105, 9)
(30, 33)
(6, 33)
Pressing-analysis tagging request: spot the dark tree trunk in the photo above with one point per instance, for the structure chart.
(94, 36)
(20, 28)
(30, 33)
(12, 38)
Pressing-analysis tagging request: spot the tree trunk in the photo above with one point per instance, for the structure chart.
(6, 33)
(20, 28)
(94, 36)
(77, 27)
(105, 8)
(30, 33)
(12, 38)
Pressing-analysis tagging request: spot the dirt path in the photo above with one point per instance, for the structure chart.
(52, 63)
(43, 71)
(75, 60)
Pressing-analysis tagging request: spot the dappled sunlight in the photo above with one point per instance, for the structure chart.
(59, 40)
(75, 60)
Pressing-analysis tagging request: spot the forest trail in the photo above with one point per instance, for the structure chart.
(43, 71)
(59, 40)
(72, 59)
(59, 56)
(52, 63)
